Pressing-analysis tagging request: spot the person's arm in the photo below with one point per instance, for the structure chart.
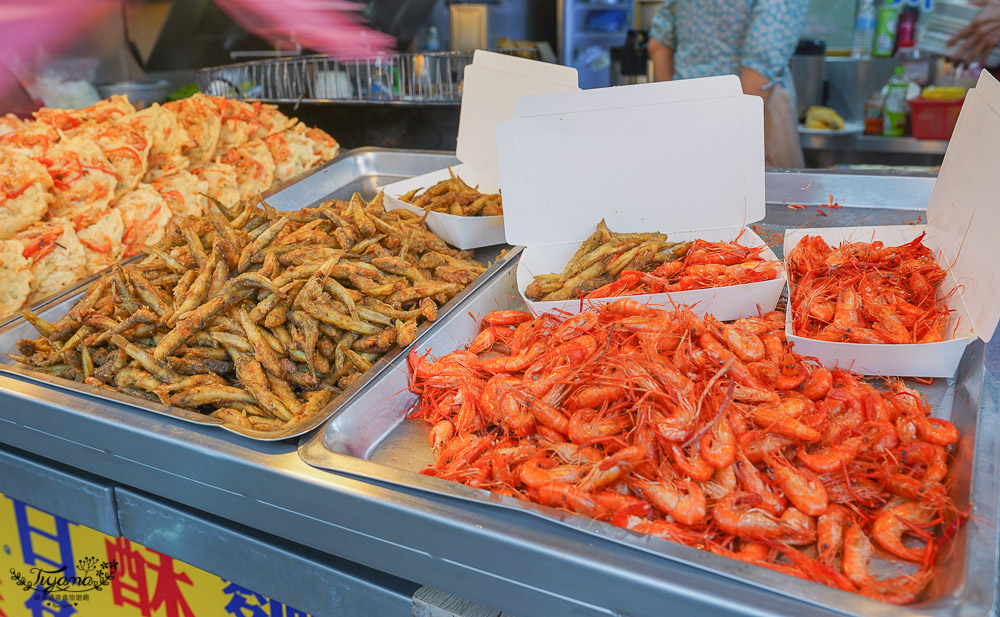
(662, 42)
(755, 83)
(981, 35)
(769, 43)
(663, 60)
(334, 28)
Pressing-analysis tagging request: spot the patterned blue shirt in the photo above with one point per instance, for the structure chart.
(720, 37)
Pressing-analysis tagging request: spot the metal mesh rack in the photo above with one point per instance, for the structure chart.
(431, 77)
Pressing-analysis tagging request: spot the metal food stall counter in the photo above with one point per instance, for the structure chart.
(255, 513)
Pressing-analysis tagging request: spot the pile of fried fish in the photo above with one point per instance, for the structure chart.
(258, 317)
(601, 259)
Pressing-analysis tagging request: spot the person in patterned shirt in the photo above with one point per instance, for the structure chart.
(753, 39)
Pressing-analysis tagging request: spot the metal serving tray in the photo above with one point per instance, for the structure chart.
(370, 438)
(356, 171)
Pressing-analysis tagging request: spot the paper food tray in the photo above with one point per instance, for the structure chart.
(916, 360)
(464, 232)
(725, 303)
(492, 85)
(962, 220)
(684, 158)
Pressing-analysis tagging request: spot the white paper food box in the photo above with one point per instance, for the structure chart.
(963, 219)
(685, 158)
(491, 87)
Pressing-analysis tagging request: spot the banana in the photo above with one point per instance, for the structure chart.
(823, 118)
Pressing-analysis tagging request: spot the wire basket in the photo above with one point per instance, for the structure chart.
(431, 77)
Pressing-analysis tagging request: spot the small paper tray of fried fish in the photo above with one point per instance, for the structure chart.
(53, 309)
(465, 232)
(372, 438)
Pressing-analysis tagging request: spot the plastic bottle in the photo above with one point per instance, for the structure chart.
(894, 107)
(433, 40)
(885, 32)
(873, 113)
(864, 29)
(916, 66)
(906, 27)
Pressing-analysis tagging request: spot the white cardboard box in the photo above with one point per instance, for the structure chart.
(963, 221)
(492, 85)
(685, 158)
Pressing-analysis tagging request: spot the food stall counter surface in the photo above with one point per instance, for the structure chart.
(209, 498)
(824, 150)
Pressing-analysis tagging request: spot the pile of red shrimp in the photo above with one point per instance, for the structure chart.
(863, 292)
(710, 434)
(705, 265)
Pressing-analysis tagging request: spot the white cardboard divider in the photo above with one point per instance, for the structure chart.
(963, 213)
(650, 164)
(492, 85)
(685, 158)
(621, 97)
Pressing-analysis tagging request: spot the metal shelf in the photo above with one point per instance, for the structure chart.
(602, 5)
(602, 35)
(873, 143)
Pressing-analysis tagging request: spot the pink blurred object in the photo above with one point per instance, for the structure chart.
(29, 28)
(14, 98)
(332, 27)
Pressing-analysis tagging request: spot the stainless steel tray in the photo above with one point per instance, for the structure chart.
(356, 171)
(361, 170)
(370, 438)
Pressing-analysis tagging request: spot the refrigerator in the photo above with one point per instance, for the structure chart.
(587, 32)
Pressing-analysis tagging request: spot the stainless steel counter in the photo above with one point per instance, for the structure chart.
(823, 151)
(231, 506)
(874, 143)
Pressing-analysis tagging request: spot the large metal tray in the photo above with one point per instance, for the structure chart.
(356, 171)
(370, 438)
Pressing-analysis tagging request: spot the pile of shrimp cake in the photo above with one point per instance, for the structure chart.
(710, 434)
(254, 316)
